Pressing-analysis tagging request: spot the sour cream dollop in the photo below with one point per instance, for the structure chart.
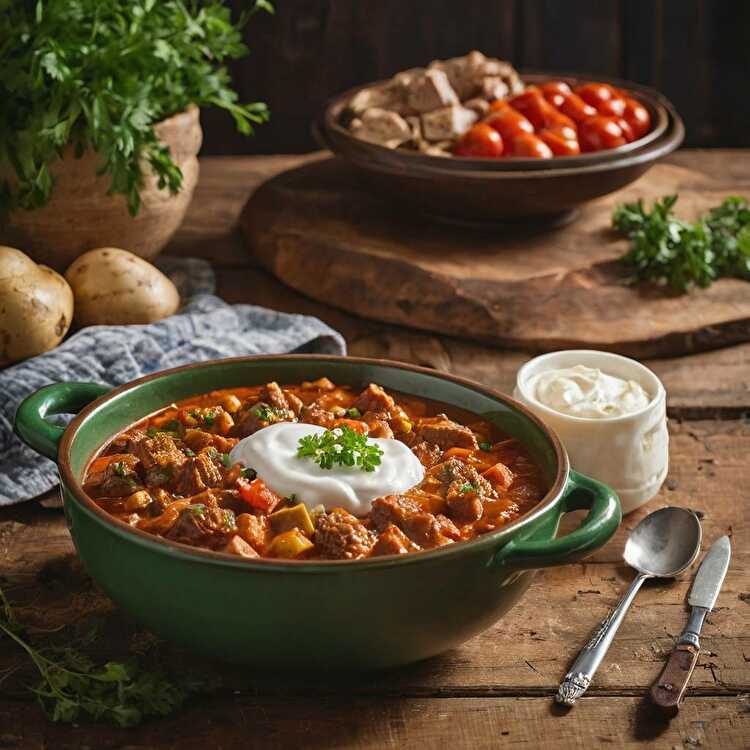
(582, 391)
(272, 452)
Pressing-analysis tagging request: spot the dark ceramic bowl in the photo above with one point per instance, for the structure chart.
(336, 614)
(507, 189)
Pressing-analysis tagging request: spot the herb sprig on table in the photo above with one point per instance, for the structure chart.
(98, 74)
(72, 687)
(682, 254)
(342, 446)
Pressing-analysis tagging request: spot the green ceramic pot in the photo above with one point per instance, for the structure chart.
(336, 614)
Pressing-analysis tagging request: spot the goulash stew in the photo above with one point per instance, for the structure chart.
(313, 471)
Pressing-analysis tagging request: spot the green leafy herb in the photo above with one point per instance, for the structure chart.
(225, 459)
(72, 686)
(197, 509)
(208, 418)
(266, 413)
(246, 473)
(99, 74)
(485, 446)
(213, 454)
(189, 453)
(342, 446)
(467, 487)
(353, 413)
(120, 469)
(671, 251)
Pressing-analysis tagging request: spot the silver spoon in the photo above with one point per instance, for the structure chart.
(662, 545)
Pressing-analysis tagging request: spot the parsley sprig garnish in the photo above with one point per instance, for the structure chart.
(342, 446)
(682, 254)
(71, 686)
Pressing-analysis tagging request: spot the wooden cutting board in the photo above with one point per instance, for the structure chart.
(535, 288)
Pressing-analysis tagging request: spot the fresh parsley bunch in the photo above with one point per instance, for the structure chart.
(681, 254)
(342, 446)
(100, 74)
(72, 687)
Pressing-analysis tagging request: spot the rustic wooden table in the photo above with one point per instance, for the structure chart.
(497, 689)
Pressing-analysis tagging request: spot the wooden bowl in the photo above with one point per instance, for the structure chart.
(81, 216)
(508, 189)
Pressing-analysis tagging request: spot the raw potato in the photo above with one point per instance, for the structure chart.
(36, 307)
(115, 287)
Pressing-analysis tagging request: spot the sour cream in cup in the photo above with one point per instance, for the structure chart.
(609, 411)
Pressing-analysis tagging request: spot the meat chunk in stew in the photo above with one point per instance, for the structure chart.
(393, 541)
(197, 474)
(428, 453)
(464, 489)
(342, 536)
(374, 398)
(421, 527)
(446, 433)
(203, 525)
(118, 479)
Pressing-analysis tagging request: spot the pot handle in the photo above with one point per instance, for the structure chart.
(599, 525)
(58, 398)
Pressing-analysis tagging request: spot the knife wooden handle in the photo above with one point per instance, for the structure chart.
(669, 689)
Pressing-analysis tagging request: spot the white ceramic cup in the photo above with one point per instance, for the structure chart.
(630, 452)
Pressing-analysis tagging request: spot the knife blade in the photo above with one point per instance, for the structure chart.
(669, 689)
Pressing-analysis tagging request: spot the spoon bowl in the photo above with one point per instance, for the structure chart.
(664, 543)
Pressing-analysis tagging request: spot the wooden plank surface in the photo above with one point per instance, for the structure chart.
(503, 680)
(247, 721)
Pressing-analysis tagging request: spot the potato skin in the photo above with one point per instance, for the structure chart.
(36, 307)
(115, 287)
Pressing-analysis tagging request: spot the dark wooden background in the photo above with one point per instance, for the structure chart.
(697, 52)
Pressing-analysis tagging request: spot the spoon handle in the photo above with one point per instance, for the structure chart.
(582, 671)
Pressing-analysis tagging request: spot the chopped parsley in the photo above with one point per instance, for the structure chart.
(342, 446)
(353, 413)
(485, 446)
(208, 418)
(198, 510)
(225, 459)
(266, 413)
(467, 487)
(250, 474)
(230, 522)
(120, 469)
(189, 453)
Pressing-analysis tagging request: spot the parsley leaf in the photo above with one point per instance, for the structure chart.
(467, 487)
(485, 446)
(668, 250)
(342, 446)
(72, 686)
(98, 75)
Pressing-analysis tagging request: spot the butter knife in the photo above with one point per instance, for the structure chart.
(669, 689)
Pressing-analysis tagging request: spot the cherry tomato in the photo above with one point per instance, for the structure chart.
(555, 92)
(498, 105)
(529, 146)
(532, 105)
(257, 495)
(577, 109)
(614, 107)
(595, 93)
(509, 123)
(558, 144)
(599, 133)
(637, 117)
(627, 131)
(480, 141)
(555, 120)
